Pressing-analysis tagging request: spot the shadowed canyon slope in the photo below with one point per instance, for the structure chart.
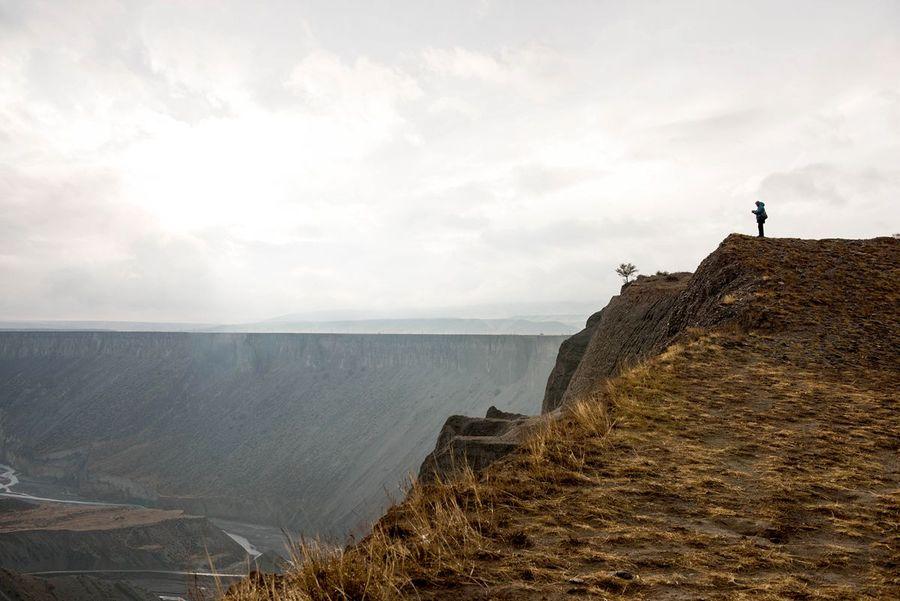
(22, 587)
(300, 430)
(37, 537)
(739, 440)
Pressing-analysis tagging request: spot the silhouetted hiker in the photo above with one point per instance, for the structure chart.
(761, 216)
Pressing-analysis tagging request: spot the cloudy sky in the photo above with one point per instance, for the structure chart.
(232, 161)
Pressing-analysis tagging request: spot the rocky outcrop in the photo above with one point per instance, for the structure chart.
(475, 442)
(730, 287)
(570, 353)
(633, 325)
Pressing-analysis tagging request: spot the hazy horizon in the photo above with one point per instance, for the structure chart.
(225, 162)
(571, 311)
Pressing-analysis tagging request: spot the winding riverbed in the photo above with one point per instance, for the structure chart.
(9, 479)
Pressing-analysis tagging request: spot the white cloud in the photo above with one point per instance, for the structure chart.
(361, 92)
(538, 72)
(230, 161)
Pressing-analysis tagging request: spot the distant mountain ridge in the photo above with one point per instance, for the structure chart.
(62, 325)
(451, 325)
(559, 318)
(550, 325)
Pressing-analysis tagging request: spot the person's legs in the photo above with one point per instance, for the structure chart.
(760, 224)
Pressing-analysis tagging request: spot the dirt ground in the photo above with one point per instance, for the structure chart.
(727, 474)
(755, 458)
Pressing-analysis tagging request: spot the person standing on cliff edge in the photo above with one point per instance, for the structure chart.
(761, 216)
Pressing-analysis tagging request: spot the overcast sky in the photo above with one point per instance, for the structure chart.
(231, 161)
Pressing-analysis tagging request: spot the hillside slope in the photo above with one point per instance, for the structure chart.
(434, 326)
(298, 430)
(37, 537)
(22, 587)
(756, 457)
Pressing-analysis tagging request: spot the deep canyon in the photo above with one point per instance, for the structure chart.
(313, 432)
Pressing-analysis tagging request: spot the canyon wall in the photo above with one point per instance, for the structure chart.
(634, 324)
(299, 430)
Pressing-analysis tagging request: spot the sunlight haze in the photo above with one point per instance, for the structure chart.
(235, 161)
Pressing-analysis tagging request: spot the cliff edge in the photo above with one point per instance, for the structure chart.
(744, 446)
(634, 324)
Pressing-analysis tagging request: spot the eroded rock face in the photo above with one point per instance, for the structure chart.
(473, 441)
(570, 353)
(633, 325)
(732, 287)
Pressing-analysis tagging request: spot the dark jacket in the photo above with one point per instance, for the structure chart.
(760, 212)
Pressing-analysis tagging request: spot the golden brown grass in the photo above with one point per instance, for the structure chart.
(719, 469)
(437, 532)
(757, 461)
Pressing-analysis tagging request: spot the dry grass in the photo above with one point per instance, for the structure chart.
(735, 465)
(549, 443)
(437, 532)
(715, 470)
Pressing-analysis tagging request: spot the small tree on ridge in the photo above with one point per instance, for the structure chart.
(626, 270)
